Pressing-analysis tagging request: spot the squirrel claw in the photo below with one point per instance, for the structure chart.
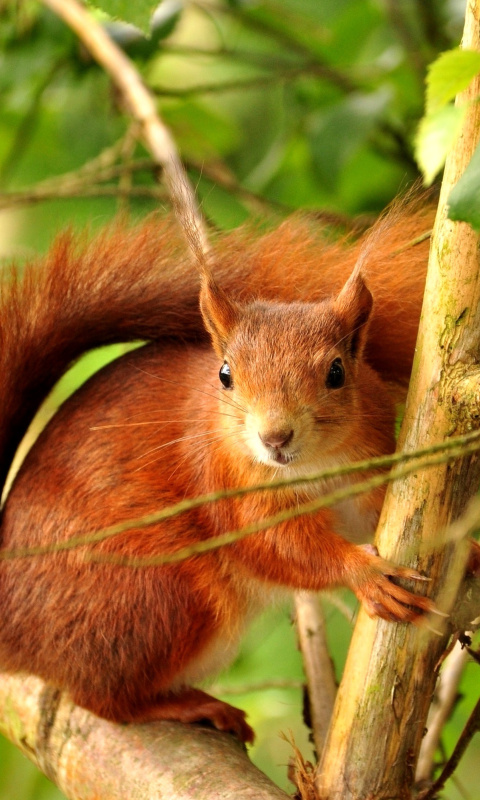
(382, 597)
(439, 613)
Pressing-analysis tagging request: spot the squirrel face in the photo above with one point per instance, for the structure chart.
(289, 373)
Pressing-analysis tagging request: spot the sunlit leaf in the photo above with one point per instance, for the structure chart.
(448, 75)
(137, 13)
(435, 136)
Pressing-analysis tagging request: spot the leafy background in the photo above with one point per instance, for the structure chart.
(276, 106)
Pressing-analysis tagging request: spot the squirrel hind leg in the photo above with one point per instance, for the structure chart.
(193, 705)
(187, 705)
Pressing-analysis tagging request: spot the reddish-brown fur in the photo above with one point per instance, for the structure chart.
(127, 643)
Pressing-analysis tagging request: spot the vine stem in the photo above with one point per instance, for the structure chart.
(435, 455)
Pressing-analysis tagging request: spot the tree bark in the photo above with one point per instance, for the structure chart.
(88, 757)
(390, 675)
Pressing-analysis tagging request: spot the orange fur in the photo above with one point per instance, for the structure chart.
(127, 643)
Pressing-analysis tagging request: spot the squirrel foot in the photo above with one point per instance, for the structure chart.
(382, 597)
(193, 705)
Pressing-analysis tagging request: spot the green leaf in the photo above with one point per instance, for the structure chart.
(143, 45)
(435, 136)
(449, 74)
(464, 199)
(165, 19)
(137, 13)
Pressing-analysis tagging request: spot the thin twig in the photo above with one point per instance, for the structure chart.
(441, 708)
(84, 181)
(257, 686)
(18, 199)
(470, 729)
(91, 169)
(141, 106)
(230, 537)
(317, 663)
(220, 176)
(412, 243)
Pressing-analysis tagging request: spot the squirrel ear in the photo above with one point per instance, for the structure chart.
(353, 306)
(220, 314)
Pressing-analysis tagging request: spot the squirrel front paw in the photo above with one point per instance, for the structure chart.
(382, 597)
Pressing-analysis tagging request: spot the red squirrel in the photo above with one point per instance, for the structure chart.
(297, 381)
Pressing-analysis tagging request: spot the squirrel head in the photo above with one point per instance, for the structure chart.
(289, 372)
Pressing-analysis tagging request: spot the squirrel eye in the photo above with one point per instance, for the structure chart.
(225, 376)
(336, 375)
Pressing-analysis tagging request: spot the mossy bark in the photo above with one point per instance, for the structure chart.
(390, 675)
(89, 758)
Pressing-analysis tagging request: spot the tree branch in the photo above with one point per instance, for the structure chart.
(317, 664)
(441, 708)
(391, 670)
(88, 757)
(471, 728)
(141, 106)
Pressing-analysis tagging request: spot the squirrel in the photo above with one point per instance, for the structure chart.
(299, 379)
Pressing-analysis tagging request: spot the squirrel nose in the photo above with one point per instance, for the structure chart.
(277, 439)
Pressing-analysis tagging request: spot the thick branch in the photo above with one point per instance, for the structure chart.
(88, 757)
(391, 670)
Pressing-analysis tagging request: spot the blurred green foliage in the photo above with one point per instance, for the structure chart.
(276, 105)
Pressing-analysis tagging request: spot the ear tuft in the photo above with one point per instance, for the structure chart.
(354, 306)
(220, 314)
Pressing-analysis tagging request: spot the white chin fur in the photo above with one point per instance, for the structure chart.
(270, 458)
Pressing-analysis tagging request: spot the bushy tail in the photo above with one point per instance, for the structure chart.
(123, 285)
(141, 283)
